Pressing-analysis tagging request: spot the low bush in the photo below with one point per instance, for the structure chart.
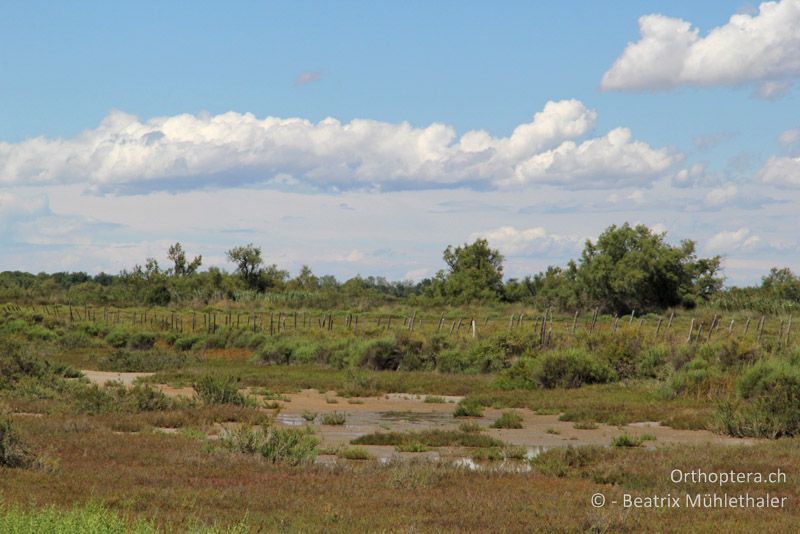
(508, 420)
(354, 453)
(571, 369)
(278, 445)
(141, 340)
(334, 419)
(213, 389)
(12, 451)
(118, 338)
(468, 408)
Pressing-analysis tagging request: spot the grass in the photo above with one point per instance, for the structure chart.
(334, 419)
(625, 440)
(434, 399)
(585, 425)
(468, 408)
(220, 390)
(355, 453)
(508, 420)
(429, 438)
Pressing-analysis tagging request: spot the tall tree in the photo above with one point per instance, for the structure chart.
(635, 268)
(475, 272)
(180, 266)
(248, 263)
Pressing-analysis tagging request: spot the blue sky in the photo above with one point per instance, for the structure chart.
(710, 151)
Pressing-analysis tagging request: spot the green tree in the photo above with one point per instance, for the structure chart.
(180, 266)
(475, 272)
(634, 268)
(248, 263)
(782, 284)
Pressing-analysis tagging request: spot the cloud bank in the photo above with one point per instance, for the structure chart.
(762, 48)
(184, 152)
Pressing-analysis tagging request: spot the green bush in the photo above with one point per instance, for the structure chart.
(141, 340)
(354, 453)
(12, 452)
(768, 405)
(468, 408)
(188, 342)
(571, 369)
(219, 390)
(117, 338)
(278, 445)
(508, 420)
(334, 419)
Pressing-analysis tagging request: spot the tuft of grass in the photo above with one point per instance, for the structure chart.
(553, 431)
(354, 453)
(413, 446)
(429, 438)
(625, 440)
(219, 390)
(468, 408)
(470, 427)
(434, 399)
(508, 420)
(334, 419)
(585, 425)
(309, 416)
(278, 445)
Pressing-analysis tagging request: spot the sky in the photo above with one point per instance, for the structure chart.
(365, 137)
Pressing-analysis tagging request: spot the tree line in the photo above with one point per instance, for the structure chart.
(627, 268)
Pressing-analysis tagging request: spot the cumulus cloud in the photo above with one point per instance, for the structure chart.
(733, 241)
(530, 241)
(182, 152)
(762, 48)
(782, 171)
(721, 195)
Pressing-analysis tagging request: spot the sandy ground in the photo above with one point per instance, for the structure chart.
(405, 412)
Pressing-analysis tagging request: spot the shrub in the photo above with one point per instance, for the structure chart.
(334, 419)
(278, 445)
(571, 369)
(141, 340)
(149, 399)
(187, 342)
(468, 408)
(309, 416)
(354, 453)
(769, 404)
(117, 338)
(624, 440)
(433, 399)
(470, 426)
(559, 461)
(219, 390)
(12, 452)
(508, 420)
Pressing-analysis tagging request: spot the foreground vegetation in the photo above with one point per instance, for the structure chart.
(194, 444)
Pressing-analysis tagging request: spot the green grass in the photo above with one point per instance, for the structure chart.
(468, 408)
(508, 420)
(354, 453)
(429, 438)
(334, 419)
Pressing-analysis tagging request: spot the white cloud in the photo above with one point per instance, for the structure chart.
(763, 48)
(185, 152)
(781, 171)
(309, 76)
(721, 195)
(789, 140)
(733, 241)
(690, 175)
(530, 241)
